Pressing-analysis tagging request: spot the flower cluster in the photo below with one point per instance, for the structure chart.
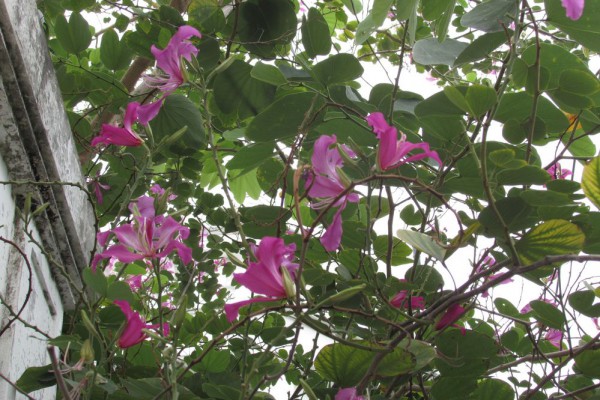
(149, 236)
(168, 60)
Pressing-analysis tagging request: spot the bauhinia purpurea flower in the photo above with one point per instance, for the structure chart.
(272, 275)
(326, 186)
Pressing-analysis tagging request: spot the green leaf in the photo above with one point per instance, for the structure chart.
(481, 47)
(545, 198)
(579, 82)
(74, 36)
(36, 378)
(515, 213)
(176, 113)
(222, 392)
(410, 216)
(590, 181)
(315, 34)
(215, 361)
(236, 91)
(114, 54)
(588, 363)
(422, 242)
(506, 307)
(527, 175)
(434, 9)
(432, 52)
(338, 68)
(244, 184)
(585, 30)
(554, 237)
(583, 302)
(517, 107)
(208, 14)
(399, 253)
(250, 157)
(265, 24)
(423, 352)
(493, 389)
(374, 20)
(343, 364)
(120, 291)
(456, 97)
(442, 23)
(425, 278)
(491, 16)
(284, 117)
(480, 99)
(548, 314)
(398, 362)
(268, 73)
(96, 280)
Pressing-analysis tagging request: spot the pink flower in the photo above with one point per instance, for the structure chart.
(393, 152)
(110, 134)
(98, 187)
(169, 59)
(132, 334)
(400, 300)
(134, 282)
(348, 394)
(574, 8)
(148, 236)
(554, 336)
(490, 261)
(327, 183)
(557, 172)
(265, 276)
(452, 314)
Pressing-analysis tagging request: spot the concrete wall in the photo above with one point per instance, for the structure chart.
(35, 145)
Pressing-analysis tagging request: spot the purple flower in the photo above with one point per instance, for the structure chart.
(110, 134)
(265, 276)
(348, 394)
(452, 314)
(400, 300)
(132, 334)
(148, 236)
(557, 172)
(326, 185)
(554, 336)
(574, 8)
(169, 59)
(393, 152)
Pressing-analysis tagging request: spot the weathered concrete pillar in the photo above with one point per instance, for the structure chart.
(36, 145)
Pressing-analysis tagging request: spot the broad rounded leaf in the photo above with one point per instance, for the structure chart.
(114, 54)
(315, 34)
(588, 363)
(583, 301)
(399, 254)
(553, 237)
(432, 52)
(585, 30)
(423, 243)
(284, 117)
(590, 182)
(264, 24)
(343, 364)
(74, 36)
(491, 16)
(547, 314)
(374, 20)
(493, 389)
(338, 68)
(177, 112)
(425, 278)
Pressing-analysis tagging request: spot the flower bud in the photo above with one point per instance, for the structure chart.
(288, 283)
(87, 351)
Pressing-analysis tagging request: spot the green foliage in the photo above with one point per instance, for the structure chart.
(421, 298)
